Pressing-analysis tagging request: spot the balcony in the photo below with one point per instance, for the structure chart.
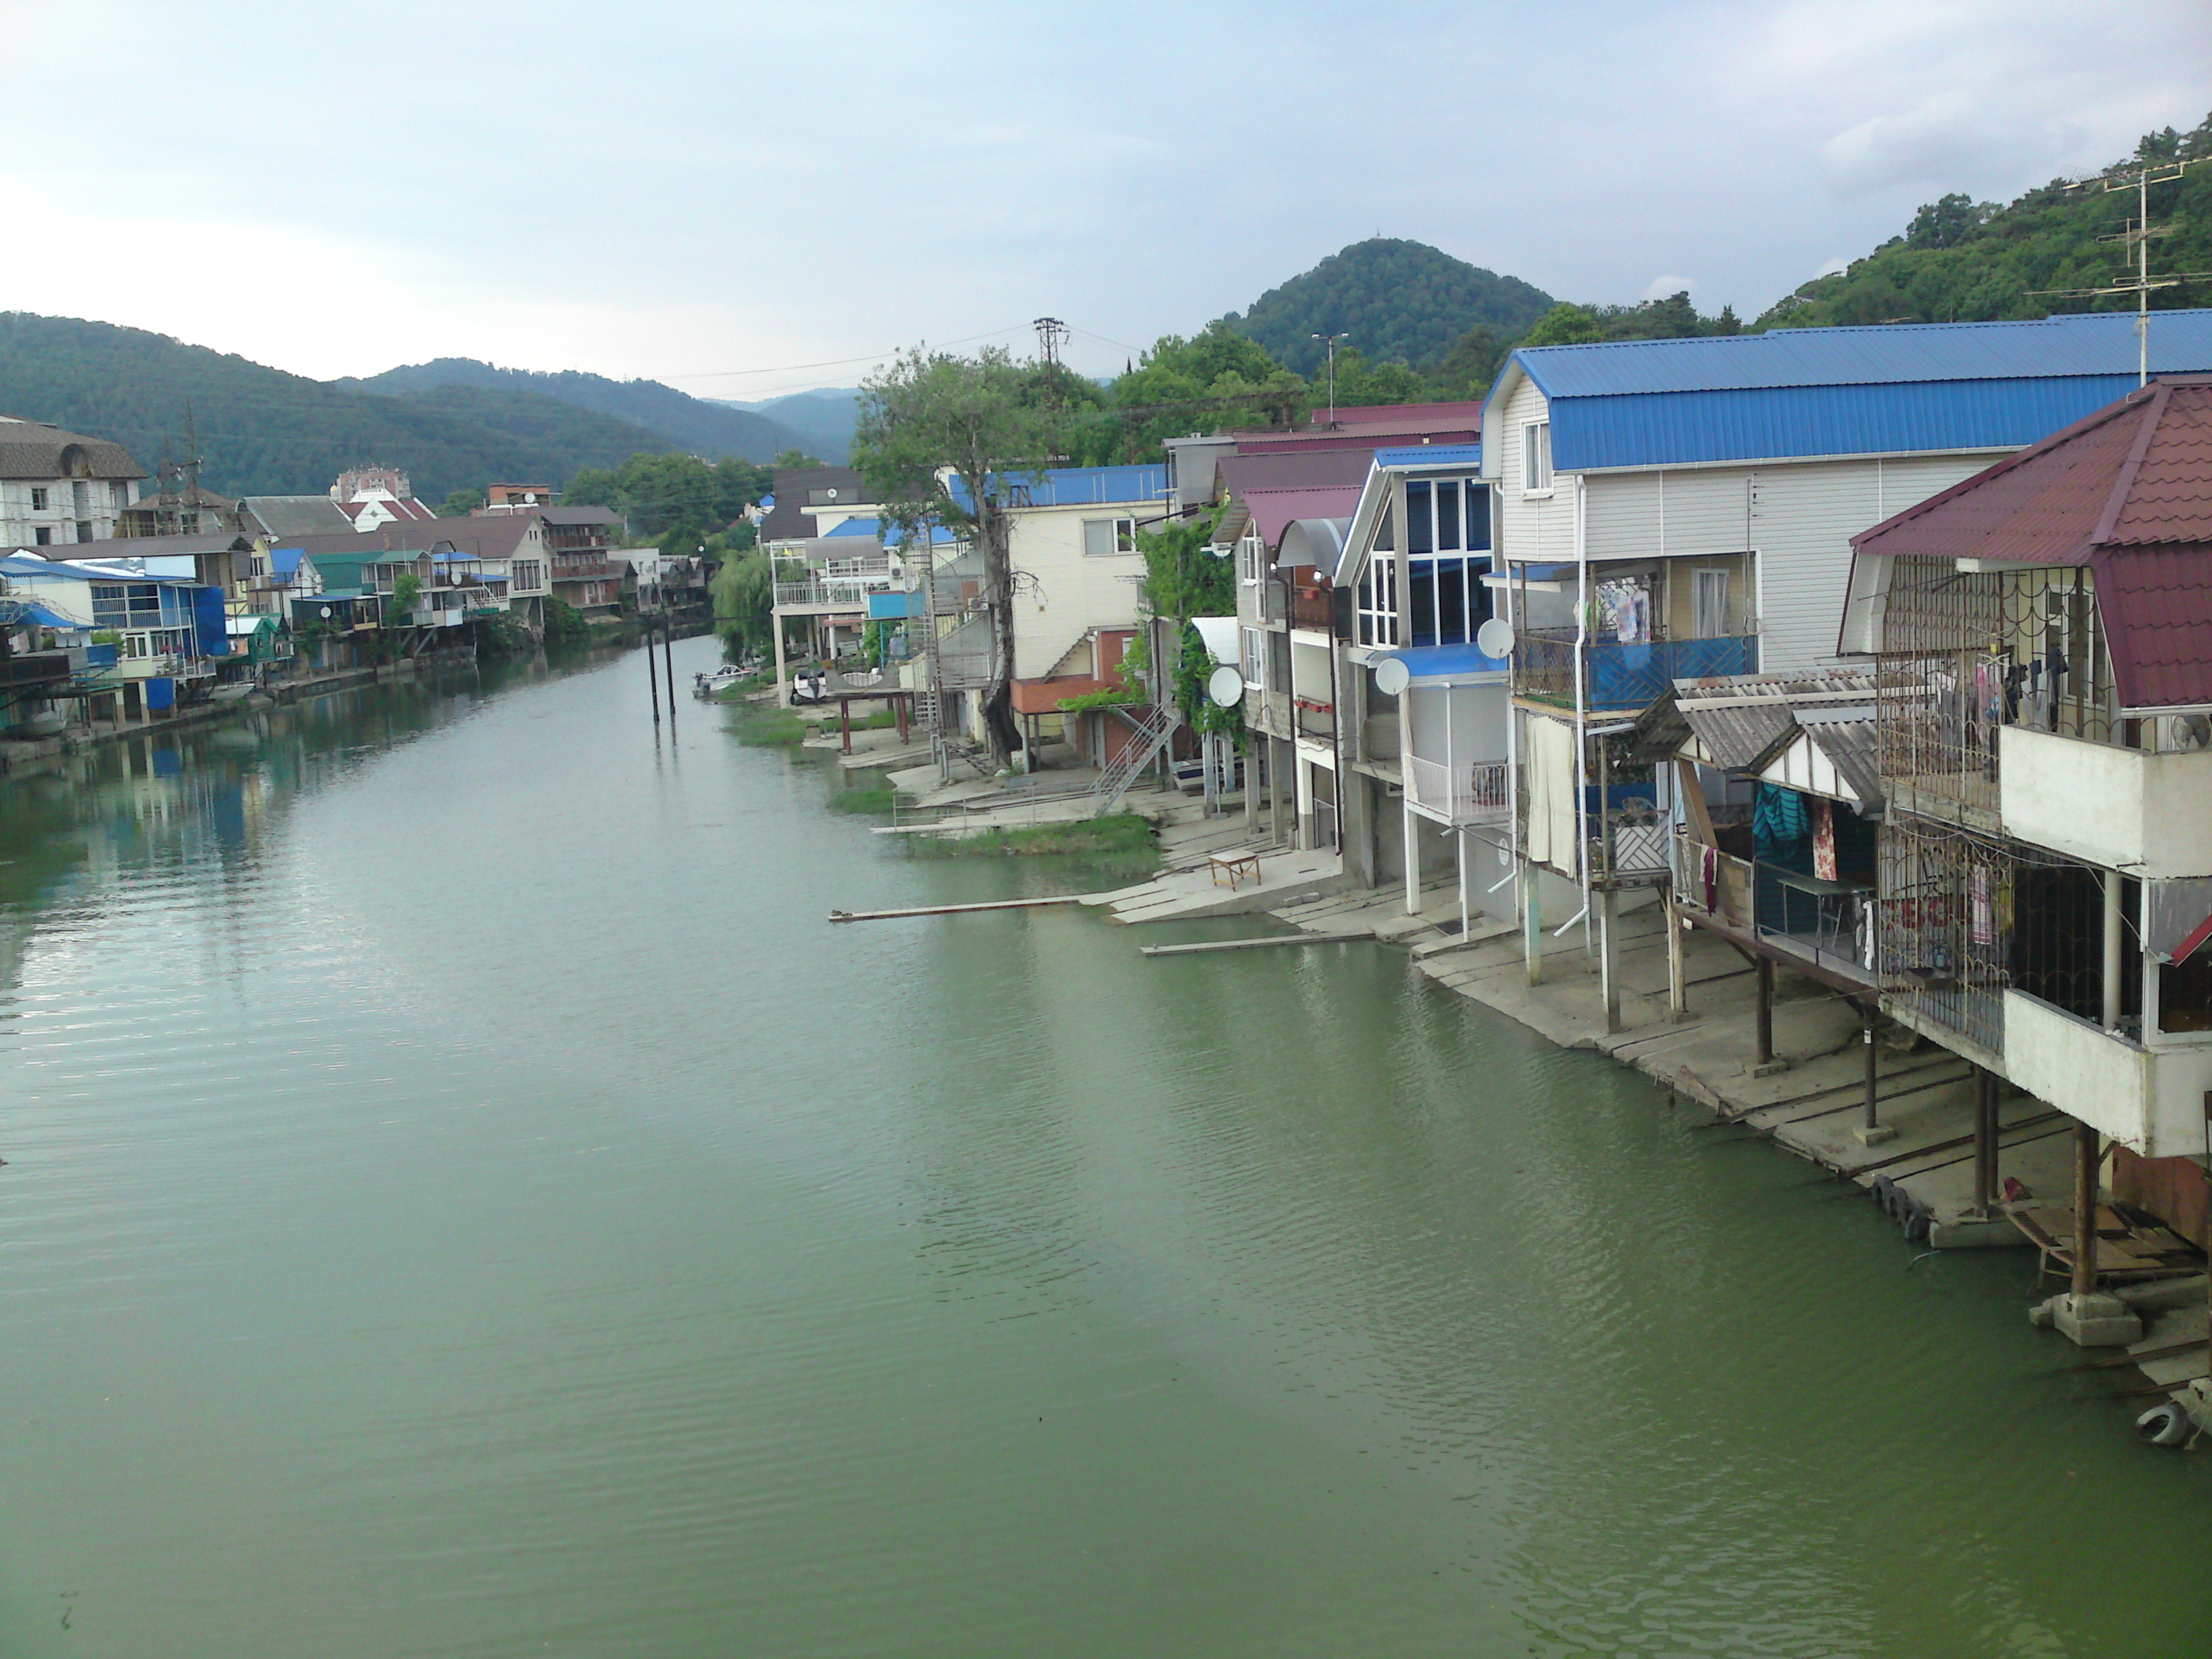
(2149, 816)
(1621, 678)
(1825, 924)
(1314, 609)
(845, 595)
(35, 668)
(582, 570)
(2150, 1099)
(1476, 792)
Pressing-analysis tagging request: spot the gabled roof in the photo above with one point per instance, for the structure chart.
(34, 450)
(295, 515)
(579, 515)
(1792, 392)
(2127, 492)
(403, 507)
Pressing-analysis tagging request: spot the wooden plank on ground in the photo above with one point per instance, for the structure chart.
(959, 909)
(1251, 944)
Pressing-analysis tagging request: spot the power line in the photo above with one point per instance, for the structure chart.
(837, 363)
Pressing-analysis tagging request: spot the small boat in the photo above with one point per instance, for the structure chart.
(809, 686)
(709, 684)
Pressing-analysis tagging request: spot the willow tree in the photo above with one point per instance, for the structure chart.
(957, 440)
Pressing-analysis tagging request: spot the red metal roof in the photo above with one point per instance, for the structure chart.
(1275, 511)
(2128, 492)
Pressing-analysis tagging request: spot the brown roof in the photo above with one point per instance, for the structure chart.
(32, 449)
(1297, 469)
(2128, 492)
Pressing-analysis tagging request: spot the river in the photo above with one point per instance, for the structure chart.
(462, 1200)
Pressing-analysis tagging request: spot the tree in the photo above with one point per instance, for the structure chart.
(796, 458)
(1949, 220)
(459, 503)
(744, 590)
(1565, 323)
(1468, 369)
(954, 441)
(660, 493)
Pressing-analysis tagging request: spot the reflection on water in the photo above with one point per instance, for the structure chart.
(463, 1200)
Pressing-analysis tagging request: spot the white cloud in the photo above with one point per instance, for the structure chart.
(1660, 287)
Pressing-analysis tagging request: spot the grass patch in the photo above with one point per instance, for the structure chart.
(738, 690)
(869, 792)
(882, 719)
(1122, 836)
(770, 728)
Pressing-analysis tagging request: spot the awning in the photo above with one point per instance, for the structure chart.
(1274, 511)
(1220, 633)
(1443, 662)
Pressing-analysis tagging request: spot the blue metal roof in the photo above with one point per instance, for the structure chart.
(873, 529)
(1083, 486)
(1431, 455)
(2100, 343)
(1799, 392)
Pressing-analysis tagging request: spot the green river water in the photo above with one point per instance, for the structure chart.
(462, 1200)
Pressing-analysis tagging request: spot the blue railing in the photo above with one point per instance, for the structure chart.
(1635, 675)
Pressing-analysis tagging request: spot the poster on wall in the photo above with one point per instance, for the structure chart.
(1824, 840)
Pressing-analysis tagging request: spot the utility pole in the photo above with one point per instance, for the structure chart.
(1330, 340)
(2135, 236)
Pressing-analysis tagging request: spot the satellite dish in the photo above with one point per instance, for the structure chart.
(326, 611)
(1225, 685)
(1495, 638)
(1392, 677)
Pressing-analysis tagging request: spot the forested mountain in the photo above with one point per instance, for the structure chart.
(1397, 300)
(683, 421)
(1960, 260)
(822, 419)
(263, 431)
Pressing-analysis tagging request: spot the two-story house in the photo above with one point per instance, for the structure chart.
(2042, 641)
(1672, 510)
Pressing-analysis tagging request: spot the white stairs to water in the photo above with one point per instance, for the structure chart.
(1155, 728)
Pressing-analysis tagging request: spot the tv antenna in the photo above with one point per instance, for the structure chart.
(2135, 234)
(1330, 340)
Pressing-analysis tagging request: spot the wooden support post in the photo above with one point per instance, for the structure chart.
(899, 705)
(2088, 1152)
(1677, 970)
(845, 723)
(652, 679)
(668, 662)
(1985, 1139)
(1609, 958)
(1764, 974)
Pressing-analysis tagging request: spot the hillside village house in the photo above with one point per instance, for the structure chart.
(169, 631)
(60, 488)
(2041, 640)
(1304, 513)
(1681, 509)
(372, 497)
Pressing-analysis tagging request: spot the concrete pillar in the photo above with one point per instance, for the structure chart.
(1412, 822)
(1459, 852)
(782, 685)
(1870, 1130)
(1532, 922)
(1677, 970)
(1985, 1139)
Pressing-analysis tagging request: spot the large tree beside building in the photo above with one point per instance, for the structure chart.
(950, 440)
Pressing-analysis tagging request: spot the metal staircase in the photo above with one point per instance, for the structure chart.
(1155, 728)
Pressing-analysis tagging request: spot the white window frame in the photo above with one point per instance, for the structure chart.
(1254, 655)
(1122, 534)
(1536, 477)
(38, 498)
(1375, 622)
(1703, 581)
(1251, 558)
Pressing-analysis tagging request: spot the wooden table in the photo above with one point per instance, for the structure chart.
(1234, 866)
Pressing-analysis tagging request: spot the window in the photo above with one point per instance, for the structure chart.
(84, 530)
(1376, 603)
(118, 495)
(1252, 559)
(1103, 538)
(1448, 515)
(1253, 655)
(1536, 458)
(45, 532)
(1709, 604)
(38, 498)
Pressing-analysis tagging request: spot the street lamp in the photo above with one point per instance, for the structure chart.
(1330, 340)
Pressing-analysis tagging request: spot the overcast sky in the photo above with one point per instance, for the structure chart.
(678, 190)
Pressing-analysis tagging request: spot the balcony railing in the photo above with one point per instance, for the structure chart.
(1827, 923)
(1314, 608)
(1479, 792)
(1315, 719)
(1622, 677)
(847, 593)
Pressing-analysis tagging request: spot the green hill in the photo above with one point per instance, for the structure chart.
(1395, 298)
(1965, 261)
(713, 430)
(262, 431)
